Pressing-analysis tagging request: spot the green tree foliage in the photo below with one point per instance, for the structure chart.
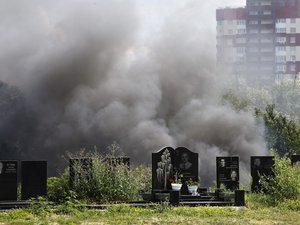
(282, 133)
(286, 97)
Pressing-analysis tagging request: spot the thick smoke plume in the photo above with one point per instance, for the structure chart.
(91, 75)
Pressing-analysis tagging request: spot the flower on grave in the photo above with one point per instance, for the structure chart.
(171, 180)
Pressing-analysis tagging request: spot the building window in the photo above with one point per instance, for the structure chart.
(280, 21)
(280, 48)
(266, 21)
(293, 67)
(241, 31)
(293, 48)
(230, 31)
(240, 22)
(252, 13)
(219, 22)
(293, 58)
(293, 30)
(229, 42)
(266, 12)
(280, 30)
(293, 20)
(230, 22)
(241, 50)
(293, 40)
(280, 59)
(253, 22)
(280, 40)
(266, 3)
(280, 68)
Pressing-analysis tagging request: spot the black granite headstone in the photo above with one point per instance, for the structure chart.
(33, 179)
(8, 180)
(260, 166)
(186, 162)
(228, 172)
(80, 168)
(162, 168)
(295, 159)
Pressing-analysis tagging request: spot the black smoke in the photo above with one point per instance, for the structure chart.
(88, 79)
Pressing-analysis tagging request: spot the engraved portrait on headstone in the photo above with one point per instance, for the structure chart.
(186, 163)
(228, 172)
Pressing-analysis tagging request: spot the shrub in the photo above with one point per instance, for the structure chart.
(284, 187)
(108, 182)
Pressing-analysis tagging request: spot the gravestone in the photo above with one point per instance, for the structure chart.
(167, 162)
(260, 165)
(33, 179)
(162, 168)
(8, 180)
(228, 172)
(295, 159)
(186, 163)
(80, 168)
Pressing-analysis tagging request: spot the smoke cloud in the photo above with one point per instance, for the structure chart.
(95, 72)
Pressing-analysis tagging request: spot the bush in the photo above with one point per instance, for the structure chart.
(284, 187)
(108, 182)
(58, 188)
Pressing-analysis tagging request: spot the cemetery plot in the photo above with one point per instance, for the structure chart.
(34, 179)
(260, 166)
(228, 172)
(8, 180)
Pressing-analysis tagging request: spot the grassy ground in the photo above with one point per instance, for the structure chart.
(122, 214)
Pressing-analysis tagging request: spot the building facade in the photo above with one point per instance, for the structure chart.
(260, 43)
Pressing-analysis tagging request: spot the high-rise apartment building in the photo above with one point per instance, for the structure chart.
(260, 42)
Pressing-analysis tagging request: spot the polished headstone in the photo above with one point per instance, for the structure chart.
(162, 168)
(260, 166)
(8, 180)
(33, 179)
(228, 172)
(186, 163)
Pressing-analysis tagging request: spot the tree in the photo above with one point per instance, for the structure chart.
(282, 133)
